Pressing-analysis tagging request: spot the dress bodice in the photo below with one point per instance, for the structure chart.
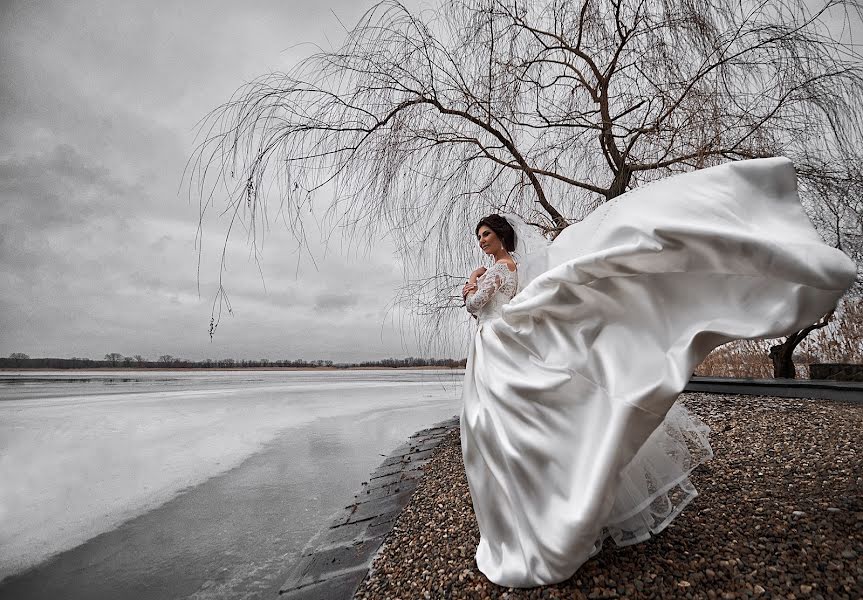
(494, 289)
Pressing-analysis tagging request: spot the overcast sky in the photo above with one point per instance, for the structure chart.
(99, 102)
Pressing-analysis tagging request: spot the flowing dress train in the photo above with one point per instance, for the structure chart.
(569, 429)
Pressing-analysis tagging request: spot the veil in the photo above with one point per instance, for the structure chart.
(531, 250)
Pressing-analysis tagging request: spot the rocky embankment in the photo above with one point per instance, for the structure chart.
(779, 515)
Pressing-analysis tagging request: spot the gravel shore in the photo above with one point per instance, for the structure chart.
(779, 515)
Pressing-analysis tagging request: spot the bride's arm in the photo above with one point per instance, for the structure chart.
(470, 284)
(486, 287)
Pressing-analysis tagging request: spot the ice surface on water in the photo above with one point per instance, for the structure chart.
(79, 456)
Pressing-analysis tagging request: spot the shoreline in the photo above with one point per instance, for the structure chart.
(338, 557)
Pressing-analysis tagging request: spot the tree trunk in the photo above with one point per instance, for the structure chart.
(620, 183)
(782, 356)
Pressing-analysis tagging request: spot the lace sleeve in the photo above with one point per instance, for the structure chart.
(487, 285)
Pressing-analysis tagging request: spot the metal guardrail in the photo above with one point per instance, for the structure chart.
(849, 391)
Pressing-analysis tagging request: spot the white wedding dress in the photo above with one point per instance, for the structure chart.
(570, 430)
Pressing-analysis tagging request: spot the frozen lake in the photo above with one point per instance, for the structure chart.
(152, 484)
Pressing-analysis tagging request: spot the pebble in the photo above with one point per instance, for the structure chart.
(774, 457)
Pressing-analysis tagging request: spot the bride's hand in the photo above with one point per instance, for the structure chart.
(467, 289)
(478, 272)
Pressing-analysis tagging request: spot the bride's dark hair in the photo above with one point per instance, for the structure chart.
(501, 228)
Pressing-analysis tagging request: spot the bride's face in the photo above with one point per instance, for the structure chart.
(488, 240)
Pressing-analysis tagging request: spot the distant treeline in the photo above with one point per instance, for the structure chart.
(18, 360)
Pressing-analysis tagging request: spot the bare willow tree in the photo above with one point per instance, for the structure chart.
(422, 122)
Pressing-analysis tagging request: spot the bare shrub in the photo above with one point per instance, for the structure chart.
(841, 341)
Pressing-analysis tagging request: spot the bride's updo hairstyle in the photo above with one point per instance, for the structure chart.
(501, 228)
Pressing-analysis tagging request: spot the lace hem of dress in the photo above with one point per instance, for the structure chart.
(655, 487)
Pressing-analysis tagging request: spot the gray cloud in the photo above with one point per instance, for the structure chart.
(98, 106)
(57, 188)
(335, 301)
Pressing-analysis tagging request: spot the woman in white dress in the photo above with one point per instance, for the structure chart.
(569, 429)
(496, 237)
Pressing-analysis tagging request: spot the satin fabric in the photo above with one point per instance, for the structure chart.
(582, 367)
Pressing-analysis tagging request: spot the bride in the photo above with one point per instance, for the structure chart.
(570, 430)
